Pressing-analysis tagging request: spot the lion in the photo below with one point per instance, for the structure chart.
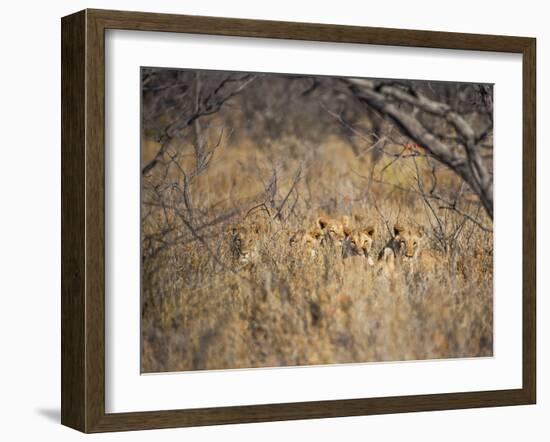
(406, 247)
(307, 241)
(335, 230)
(358, 242)
(244, 243)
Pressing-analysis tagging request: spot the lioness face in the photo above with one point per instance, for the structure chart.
(408, 240)
(313, 237)
(307, 240)
(360, 241)
(244, 244)
(334, 229)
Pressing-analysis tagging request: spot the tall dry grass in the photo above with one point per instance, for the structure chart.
(202, 309)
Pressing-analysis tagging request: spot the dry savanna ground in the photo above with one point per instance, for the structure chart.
(293, 301)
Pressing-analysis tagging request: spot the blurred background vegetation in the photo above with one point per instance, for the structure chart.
(221, 149)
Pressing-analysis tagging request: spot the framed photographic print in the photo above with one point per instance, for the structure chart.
(267, 221)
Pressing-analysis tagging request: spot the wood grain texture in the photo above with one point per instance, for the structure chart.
(95, 222)
(83, 219)
(529, 220)
(73, 349)
(144, 21)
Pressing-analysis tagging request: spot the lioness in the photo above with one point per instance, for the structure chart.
(306, 241)
(244, 243)
(358, 242)
(406, 247)
(334, 230)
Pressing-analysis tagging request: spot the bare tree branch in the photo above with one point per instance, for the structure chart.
(467, 162)
(213, 105)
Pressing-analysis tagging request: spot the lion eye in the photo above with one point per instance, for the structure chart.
(414, 244)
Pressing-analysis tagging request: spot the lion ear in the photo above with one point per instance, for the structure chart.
(322, 222)
(369, 230)
(397, 229)
(347, 231)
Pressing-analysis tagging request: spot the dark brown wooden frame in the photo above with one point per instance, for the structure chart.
(83, 216)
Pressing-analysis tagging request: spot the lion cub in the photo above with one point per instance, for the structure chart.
(244, 243)
(307, 241)
(358, 242)
(406, 247)
(334, 230)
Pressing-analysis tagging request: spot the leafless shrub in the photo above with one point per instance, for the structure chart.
(271, 153)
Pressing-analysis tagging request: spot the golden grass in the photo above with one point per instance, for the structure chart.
(203, 310)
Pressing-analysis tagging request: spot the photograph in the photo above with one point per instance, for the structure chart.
(295, 220)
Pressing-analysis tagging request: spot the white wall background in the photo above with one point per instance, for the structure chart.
(30, 217)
